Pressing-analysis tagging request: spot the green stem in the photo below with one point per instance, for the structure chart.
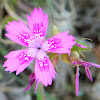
(40, 92)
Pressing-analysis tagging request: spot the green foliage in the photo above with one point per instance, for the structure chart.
(70, 87)
(3, 51)
(38, 2)
(1, 68)
(42, 95)
(76, 48)
(19, 80)
(39, 92)
(14, 2)
(49, 96)
(5, 20)
(0, 75)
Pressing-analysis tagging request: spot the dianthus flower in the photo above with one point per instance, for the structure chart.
(33, 37)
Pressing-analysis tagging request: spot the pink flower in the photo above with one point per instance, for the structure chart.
(33, 37)
(88, 73)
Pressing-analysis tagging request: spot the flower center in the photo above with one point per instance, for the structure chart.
(39, 48)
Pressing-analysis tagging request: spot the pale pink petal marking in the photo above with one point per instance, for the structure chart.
(44, 69)
(18, 32)
(19, 60)
(60, 43)
(77, 81)
(38, 23)
(88, 73)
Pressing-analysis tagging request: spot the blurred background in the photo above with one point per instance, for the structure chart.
(82, 19)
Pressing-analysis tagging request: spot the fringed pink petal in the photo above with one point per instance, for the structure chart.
(19, 60)
(88, 73)
(60, 43)
(38, 23)
(23, 66)
(18, 32)
(44, 69)
(77, 81)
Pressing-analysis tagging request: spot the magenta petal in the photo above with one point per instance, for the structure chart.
(18, 32)
(88, 64)
(79, 45)
(60, 43)
(88, 73)
(38, 23)
(13, 54)
(18, 60)
(77, 81)
(23, 66)
(93, 64)
(44, 69)
(84, 63)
